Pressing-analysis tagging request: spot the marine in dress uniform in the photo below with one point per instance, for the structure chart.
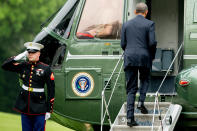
(139, 45)
(32, 102)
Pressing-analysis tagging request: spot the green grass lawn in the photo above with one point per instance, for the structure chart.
(12, 122)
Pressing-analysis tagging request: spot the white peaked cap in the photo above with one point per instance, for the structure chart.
(33, 46)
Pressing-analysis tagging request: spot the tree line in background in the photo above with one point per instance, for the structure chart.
(20, 21)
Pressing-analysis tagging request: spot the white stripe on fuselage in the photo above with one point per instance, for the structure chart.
(69, 56)
(190, 57)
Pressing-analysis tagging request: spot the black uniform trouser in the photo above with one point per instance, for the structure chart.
(131, 81)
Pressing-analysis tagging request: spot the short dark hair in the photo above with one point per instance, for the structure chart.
(141, 7)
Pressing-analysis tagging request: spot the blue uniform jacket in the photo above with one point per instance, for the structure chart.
(138, 42)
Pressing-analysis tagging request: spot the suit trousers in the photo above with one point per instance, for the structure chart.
(33, 122)
(132, 87)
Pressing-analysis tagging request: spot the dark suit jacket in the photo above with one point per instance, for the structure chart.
(138, 42)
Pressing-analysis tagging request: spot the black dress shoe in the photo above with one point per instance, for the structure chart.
(143, 109)
(131, 123)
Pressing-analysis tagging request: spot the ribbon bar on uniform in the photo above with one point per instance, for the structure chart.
(32, 89)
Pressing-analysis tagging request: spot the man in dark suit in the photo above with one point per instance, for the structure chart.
(139, 45)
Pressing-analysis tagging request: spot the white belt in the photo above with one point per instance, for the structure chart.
(32, 89)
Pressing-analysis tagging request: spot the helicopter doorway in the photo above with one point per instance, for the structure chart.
(168, 16)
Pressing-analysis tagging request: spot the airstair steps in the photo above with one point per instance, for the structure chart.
(150, 106)
(145, 120)
(134, 128)
(141, 119)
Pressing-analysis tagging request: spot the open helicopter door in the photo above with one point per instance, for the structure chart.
(190, 35)
(55, 36)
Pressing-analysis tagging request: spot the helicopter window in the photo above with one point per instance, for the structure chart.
(64, 27)
(53, 52)
(59, 56)
(101, 19)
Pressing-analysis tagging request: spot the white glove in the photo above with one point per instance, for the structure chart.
(47, 115)
(21, 56)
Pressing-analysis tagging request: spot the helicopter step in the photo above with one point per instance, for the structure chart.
(169, 115)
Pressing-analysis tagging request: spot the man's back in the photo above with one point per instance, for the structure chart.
(137, 42)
